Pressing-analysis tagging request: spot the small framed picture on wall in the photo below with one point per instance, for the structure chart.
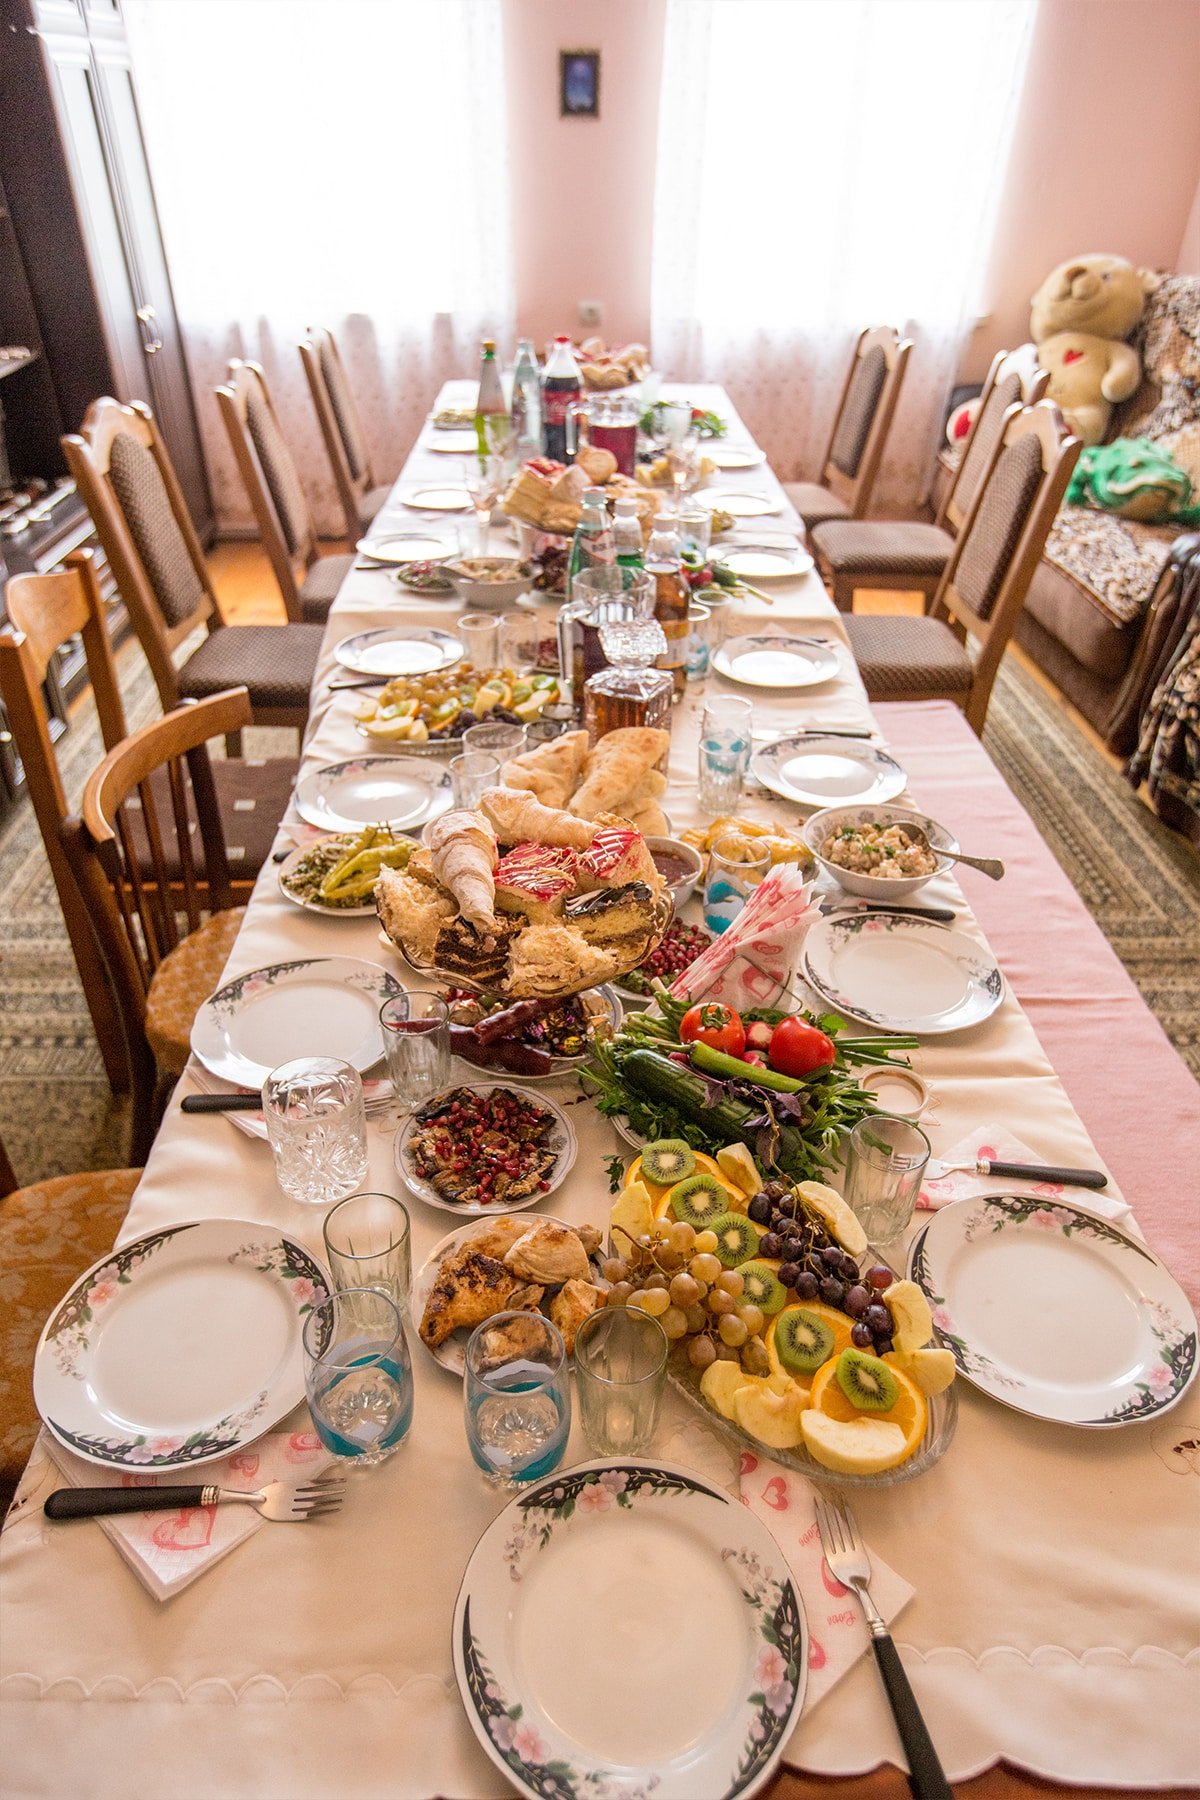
(579, 84)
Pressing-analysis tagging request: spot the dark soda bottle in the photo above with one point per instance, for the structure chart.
(561, 388)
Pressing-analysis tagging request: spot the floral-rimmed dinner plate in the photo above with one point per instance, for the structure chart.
(344, 840)
(735, 456)
(1055, 1311)
(786, 664)
(576, 1599)
(561, 1140)
(817, 771)
(436, 497)
(399, 650)
(767, 562)
(405, 547)
(741, 506)
(373, 790)
(314, 1006)
(179, 1347)
(902, 974)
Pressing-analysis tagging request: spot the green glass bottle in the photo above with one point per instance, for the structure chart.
(490, 401)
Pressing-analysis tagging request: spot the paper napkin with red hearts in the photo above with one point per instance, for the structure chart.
(168, 1550)
(837, 1632)
(999, 1145)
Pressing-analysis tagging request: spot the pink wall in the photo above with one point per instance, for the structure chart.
(583, 189)
(1188, 260)
(1106, 154)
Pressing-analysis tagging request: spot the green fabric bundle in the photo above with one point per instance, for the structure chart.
(1134, 477)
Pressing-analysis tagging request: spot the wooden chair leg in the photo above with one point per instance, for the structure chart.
(843, 592)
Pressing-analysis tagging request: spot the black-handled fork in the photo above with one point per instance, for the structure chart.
(849, 1563)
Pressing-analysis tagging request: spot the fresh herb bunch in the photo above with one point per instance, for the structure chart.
(708, 424)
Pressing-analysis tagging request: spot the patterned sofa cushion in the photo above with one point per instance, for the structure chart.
(1116, 561)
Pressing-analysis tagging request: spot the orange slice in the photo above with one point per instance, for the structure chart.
(910, 1412)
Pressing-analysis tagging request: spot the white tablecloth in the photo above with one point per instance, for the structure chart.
(1054, 1623)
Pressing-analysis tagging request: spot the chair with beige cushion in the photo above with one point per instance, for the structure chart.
(341, 428)
(860, 430)
(907, 554)
(163, 942)
(308, 582)
(985, 581)
(122, 469)
(50, 1233)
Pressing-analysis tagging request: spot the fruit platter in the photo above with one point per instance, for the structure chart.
(785, 1327)
(430, 713)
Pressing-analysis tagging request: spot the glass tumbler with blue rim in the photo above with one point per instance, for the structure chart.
(358, 1375)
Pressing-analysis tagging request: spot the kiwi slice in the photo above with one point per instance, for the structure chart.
(762, 1286)
(736, 1238)
(699, 1200)
(802, 1341)
(669, 1160)
(866, 1382)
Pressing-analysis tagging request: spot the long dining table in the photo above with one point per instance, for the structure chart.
(1053, 1624)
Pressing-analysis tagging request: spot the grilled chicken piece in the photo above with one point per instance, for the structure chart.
(571, 1306)
(548, 1253)
(470, 1288)
(496, 1237)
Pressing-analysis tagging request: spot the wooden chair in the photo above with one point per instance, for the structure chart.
(44, 612)
(122, 469)
(308, 581)
(908, 554)
(50, 1233)
(986, 579)
(361, 496)
(159, 972)
(860, 430)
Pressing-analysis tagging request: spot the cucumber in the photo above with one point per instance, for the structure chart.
(671, 1084)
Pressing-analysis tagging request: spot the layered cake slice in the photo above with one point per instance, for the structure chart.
(535, 879)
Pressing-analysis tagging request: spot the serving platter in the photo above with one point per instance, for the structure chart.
(399, 650)
(902, 974)
(555, 1670)
(562, 1141)
(817, 771)
(178, 1348)
(405, 547)
(314, 1006)
(373, 790)
(767, 562)
(785, 664)
(1055, 1311)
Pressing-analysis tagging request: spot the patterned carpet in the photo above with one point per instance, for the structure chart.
(1140, 881)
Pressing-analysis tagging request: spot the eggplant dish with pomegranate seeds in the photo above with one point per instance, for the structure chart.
(483, 1149)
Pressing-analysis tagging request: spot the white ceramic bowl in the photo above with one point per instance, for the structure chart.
(491, 595)
(685, 887)
(875, 887)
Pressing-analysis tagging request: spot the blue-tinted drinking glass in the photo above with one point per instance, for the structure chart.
(358, 1375)
(517, 1396)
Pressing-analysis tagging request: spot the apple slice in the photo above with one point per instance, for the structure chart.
(932, 1369)
(631, 1217)
(832, 1209)
(770, 1417)
(719, 1383)
(863, 1446)
(912, 1320)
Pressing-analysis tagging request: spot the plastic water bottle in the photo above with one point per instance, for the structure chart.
(527, 402)
(627, 534)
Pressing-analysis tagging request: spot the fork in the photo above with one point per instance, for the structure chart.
(278, 1500)
(849, 1563)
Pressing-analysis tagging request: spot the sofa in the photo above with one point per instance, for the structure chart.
(1104, 596)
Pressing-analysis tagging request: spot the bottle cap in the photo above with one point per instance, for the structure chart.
(489, 345)
(562, 338)
(595, 496)
(625, 506)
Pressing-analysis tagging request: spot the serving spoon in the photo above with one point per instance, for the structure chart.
(987, 865)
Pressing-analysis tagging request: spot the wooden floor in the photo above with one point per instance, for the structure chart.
(248, 595)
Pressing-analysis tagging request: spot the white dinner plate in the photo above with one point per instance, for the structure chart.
(405, 547)
(436, 497)
(562, 1141)
(373, 790)
(452, 1354)
(576, 1599)
(1054, 1311)
(766, 562)
(734, 456)
(317, 1006)
(179, 1347)
(902, 974)
(453, 443)
(783, 663)
(399, 650)
(820, 771)
(290, 863)
(742, 506)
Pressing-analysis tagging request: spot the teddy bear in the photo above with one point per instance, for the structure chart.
(1078, 317)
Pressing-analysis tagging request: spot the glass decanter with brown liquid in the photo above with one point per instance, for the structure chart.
(631, 691)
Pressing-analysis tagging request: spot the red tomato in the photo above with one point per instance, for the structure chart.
(798, 1049)
(713, 1024)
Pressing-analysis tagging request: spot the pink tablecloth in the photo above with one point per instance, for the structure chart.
(1138, 1100)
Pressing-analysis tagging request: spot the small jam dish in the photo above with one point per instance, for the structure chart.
(679, 864)
(896, 1091)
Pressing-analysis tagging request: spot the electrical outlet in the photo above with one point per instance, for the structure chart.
(591, 312)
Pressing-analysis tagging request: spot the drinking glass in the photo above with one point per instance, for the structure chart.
(735, 868)
(480, 634)
(470, 774)
(316, 1124)
(517, 1396)
(699, 642)
(695, 529)
(485, 482)
(620, 1371)
(543, 731)
(724, 752)
(672, 422)
(683, 465)
(416, 1036)
(612, 593)
(518, 639)
(885, 1163)
(494, 738)
(358, 1375)
(368, 1245)
(720, 603)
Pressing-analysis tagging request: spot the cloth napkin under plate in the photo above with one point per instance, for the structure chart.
(999, 1145)
(168, 1550)
(837, 1632)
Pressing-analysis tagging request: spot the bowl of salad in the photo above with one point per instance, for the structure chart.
(869, 851)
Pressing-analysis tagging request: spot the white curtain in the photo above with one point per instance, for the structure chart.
(825, 165)
(329, 162)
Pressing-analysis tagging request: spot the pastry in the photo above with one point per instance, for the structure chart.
(551, 771)
(548, 1253)
(550, 959)
(535, 879)
(496, 1237)
(616, 766)
(470, 1287)
(460, 950)
(650, 819)
(614, 917)
(518, 817)
(598, 465)
(463, 849)
(617, 854)
(413, 914)
(571, 1306)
